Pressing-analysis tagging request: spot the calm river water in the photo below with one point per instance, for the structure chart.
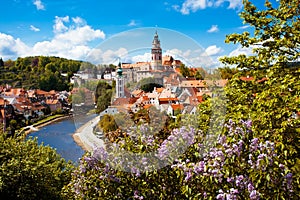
(59, 136)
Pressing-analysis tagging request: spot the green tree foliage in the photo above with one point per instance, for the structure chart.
(103, 95)
(107, 123)
(31, 171)
(227, 72)
(148, 84)
(198, 75)
(104, 100)
(184, 70)
(41, 72)
(1, 63)
(272, 98)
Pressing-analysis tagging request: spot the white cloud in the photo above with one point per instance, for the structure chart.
(80, 35)
(176, 7)
(146, 57)
(241, 50)
(233, 4)
(98, 56)
(195, 5)
(213, 29)
(10, 48)
(194, 58)
(79, 21)
(33, 28)
(213, 50)
(132, 23)
(192, 5)
(59, 24)
(39, 5)
(69, 41)
(244, 27)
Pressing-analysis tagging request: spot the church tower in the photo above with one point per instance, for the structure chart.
(156, 53)
(120, 83)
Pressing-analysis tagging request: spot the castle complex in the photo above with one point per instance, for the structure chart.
(159, 66)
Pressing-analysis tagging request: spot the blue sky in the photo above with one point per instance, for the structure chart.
(74, 29)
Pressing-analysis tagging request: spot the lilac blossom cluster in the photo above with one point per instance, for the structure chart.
(261, 154)
(216, 160)
(136, 163)
(143, 133)
(176, 144)
(228, 164)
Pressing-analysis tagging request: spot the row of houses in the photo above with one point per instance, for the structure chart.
(18, 103)
(178, 95)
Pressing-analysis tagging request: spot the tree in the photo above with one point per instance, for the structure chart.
(1, 63)
(198, 75)
(31, 171)
(107, 123)
(104, 100)
(185, 72)
(148, 84)
(227, 72)
(271, 99)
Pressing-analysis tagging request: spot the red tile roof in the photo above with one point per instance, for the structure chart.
(148, 106)
(177, 106)
(168, 99)
(41, 92)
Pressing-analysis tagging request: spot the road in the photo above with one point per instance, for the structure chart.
(85, 137)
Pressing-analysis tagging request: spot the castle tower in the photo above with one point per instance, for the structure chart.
(120, 83)
(156, 53)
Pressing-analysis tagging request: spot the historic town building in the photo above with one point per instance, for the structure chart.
(159, 66)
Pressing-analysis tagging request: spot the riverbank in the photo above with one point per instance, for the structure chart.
(27, 130)
(85, 138)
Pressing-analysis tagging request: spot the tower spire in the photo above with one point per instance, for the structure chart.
(120, 81)
(156, 52)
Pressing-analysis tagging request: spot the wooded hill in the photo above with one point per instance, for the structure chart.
(43, 72)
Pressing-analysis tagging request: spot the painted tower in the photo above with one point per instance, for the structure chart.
(156, 53)
(120, 82)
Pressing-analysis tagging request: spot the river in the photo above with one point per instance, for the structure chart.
(59, 136)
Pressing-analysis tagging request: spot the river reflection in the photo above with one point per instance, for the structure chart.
(59, 136)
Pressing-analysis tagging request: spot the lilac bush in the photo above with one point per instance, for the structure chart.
(237, 166)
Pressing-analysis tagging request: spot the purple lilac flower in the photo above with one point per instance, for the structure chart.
(135, 171)
(250, 187)
(229, 152)
(239, 131)
(239, 180)
(174, 141)
(199, 167)
(234, 191)
(222, 139)
(248, 123)
(136, 195)
(254, 195)
(82, 169)
(254, 144)
(220, 197)
(230, 179)
(289, 179)
(144, 161)
(188, 176)
(281, 166)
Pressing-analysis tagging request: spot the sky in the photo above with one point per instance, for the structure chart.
(100, 31)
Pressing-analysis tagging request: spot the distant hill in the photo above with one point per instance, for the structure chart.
(42, 72)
